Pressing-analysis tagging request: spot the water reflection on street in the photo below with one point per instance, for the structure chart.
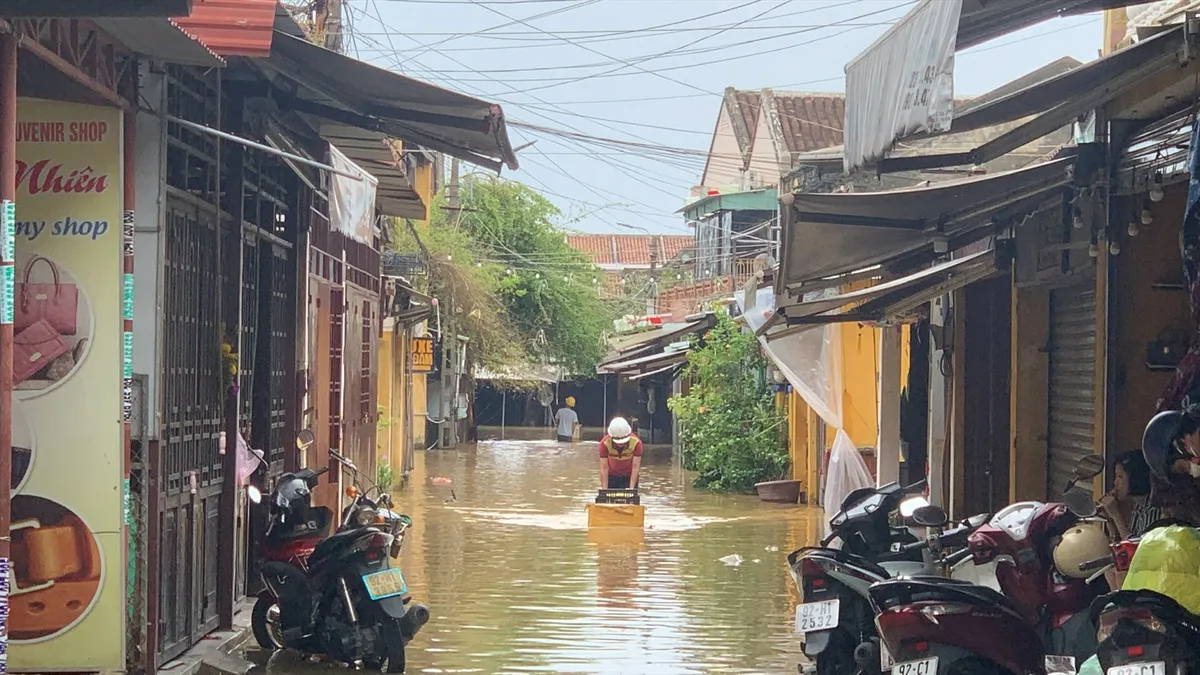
(516, 583)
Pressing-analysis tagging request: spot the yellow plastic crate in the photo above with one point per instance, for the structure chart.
(616, 515)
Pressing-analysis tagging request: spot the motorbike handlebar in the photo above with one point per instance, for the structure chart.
(958, 556)
(321, 471)
(918, 486)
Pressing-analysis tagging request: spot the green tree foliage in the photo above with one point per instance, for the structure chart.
(521, 294)
(546, 286)
(729, 426)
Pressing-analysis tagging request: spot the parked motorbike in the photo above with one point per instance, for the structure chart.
(1144, 631)
(1041, 620)
(293, 532)
(344, 600)
(835, 616)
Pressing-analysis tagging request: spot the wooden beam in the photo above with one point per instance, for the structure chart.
(887, 457)
(1030, 405)
(71, 71)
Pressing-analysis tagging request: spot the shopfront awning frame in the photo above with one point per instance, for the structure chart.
(890, 299)
(641, 363)
(315, 81)
(826, 236)
(1053, 104)
(984, 20)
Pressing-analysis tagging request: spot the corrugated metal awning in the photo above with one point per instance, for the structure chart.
(890, 298)
(903, 84)
(161, 39)
(641, 363)
(233, 27)
(984, 20)
(344, 90)
(74, 9)
(1060, 101)
(827, 235)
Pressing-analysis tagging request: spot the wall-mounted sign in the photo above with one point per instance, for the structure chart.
(422, 354)
(66, 602)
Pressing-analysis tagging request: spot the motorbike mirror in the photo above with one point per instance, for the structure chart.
(305, 438)
(1088, 467)
(909, 506)
(254, 494)
(1080, 503)
(930, 516)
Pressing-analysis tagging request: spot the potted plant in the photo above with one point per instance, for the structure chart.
(782, 491)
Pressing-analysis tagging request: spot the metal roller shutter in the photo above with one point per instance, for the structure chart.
(1072, 395)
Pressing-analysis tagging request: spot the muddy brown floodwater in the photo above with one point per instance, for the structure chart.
(516, 583)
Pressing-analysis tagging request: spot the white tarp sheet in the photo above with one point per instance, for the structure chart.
(811, 360)
(352, 202)
(903, 83)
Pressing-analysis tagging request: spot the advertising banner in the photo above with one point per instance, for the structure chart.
(67, 603)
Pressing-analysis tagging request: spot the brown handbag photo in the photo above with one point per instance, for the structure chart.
(55, 302)
(35, 348)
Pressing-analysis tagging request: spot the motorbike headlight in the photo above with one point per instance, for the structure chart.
(365, 517)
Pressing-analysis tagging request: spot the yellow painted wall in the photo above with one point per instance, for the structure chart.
(860, 401)
(860, 384)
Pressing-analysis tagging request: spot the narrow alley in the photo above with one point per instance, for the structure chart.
(555, 598)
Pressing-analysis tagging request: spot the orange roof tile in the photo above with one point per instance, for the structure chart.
(629, 249)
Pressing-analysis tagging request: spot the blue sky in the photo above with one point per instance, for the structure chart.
(651, 72)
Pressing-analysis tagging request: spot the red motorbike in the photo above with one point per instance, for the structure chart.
(295, 530)
(944, 627)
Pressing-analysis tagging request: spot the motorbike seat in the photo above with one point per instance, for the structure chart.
(925, 589)
(327, 547)
(1163, 606)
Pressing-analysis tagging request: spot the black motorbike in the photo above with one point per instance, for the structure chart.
(1145, 633)
(835, 616)
(345, 600)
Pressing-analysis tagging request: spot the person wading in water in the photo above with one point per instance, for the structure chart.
(620, 457)
(566, 420)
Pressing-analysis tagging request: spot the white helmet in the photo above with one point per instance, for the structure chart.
(619, 430)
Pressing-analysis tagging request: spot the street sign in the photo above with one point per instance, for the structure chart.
(422, 354)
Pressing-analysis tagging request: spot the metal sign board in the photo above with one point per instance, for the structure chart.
(422, 354)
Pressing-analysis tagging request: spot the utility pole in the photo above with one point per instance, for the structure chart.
(449, 425)
(328, 25)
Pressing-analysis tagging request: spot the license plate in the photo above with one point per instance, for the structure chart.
(385, 584)
(816, 616)
(923, 667)
(885, 659)
(1156, 668)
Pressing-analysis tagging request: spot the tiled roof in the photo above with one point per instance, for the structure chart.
(811, 121)
(808, 121)
(628, 249)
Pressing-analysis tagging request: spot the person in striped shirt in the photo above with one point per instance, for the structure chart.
(1127, 506)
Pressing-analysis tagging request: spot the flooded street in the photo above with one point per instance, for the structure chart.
(516, 583)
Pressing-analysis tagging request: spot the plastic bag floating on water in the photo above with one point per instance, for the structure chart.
(733, 560)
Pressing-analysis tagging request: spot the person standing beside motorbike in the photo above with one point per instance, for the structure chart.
(1171, 447)
(1127, 506)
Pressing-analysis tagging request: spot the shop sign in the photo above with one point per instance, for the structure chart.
(422, 354)
(66, 610)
